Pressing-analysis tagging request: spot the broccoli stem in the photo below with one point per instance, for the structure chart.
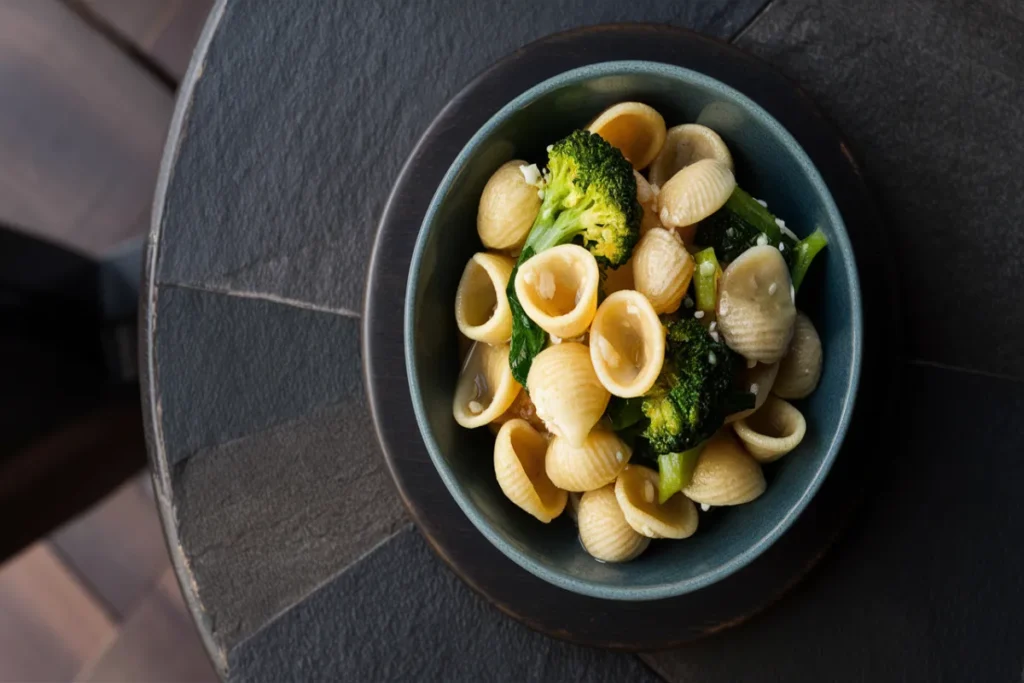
(806, 250)
(547, 232)
(750, 210)
(705, 279)
(675, 470)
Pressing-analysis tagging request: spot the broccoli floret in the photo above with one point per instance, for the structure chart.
(694, 392)
(591, 192)
(738, 226)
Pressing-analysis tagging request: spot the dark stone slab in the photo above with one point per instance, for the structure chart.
(265, 519)
(303, 114)
(399, 615)
(930, 93)
(228, 366)
(926, 586)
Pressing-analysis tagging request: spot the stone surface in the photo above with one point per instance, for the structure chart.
(228, 366)
(925, 586)
(265, 519)
(286, 162)
(400, 615)
(929, 92)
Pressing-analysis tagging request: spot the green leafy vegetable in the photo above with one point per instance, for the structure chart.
(805, 252)
(705, 279)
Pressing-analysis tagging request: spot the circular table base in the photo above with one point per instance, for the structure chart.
(559, 613)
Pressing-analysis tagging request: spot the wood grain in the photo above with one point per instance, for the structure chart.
(165, 30)
(49, 624)
(81, 130)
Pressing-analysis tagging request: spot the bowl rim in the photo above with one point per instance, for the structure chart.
(839, 237)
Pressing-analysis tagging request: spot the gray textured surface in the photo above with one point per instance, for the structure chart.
(926, 585)
(930, 94)
(287, 161)
(267, 518)
(399, 615)
(230, 366)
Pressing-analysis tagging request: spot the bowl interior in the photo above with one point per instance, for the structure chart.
(771, 166)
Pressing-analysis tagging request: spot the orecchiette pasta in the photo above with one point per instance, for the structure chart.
(648, 198)
(662, 268)
(590, 466)
(800, 368)
(604, 532)
(759, 381)
(755, 305)
(685, 145)
(694, 193)
(519, 468)
(725, 474)
(627, 344)
(636, 489)
(636, 129)
(481, 305)
(486, 387)
(558, 289)
(569, 397)
(773, 430)
(508, 207)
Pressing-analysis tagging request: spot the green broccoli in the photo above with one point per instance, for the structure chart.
(739, 225)
(590, 194)
(694, 392)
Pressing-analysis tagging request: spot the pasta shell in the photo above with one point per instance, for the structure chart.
(662, 268)
(755, 305)
(568, 395)
(485, 388)
(685, 145)
(519, 468)
(725, 474)
(604, 532)
(773, 430)
(627, 344)
(800, 368)
(481, 304)
(759, 380)
(695, 192)
(648, 198)
(636, 489)
(508, 207)
(590, 466)
(635, 128)
(558, 289)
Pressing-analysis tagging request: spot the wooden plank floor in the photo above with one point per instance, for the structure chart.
(88, 88)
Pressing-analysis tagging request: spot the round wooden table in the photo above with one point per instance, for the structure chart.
(296, 554)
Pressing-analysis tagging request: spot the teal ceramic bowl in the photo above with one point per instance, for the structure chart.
(769, 164)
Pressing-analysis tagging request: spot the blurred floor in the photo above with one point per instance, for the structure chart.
(88, 89)
(98, 601)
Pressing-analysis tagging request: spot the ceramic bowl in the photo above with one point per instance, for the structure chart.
(770, 165)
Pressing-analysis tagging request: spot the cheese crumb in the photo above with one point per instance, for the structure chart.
(772, 287)
(707, 269)
(754, 388)
(531, 174)
(762, 239)
(475, 407)
(555, 339)
(648, 491)
(712, 358)
(782, 246)
(546, 288)
(698, 315)
(762, 202)
(705, 507)
(618, 456)
(713, 335)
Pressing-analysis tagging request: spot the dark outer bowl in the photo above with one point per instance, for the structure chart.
(657, 623)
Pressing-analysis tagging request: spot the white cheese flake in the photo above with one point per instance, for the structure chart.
(762, 202)
(531, 174)
(712, 358)
(754, 388)
(475, 407)
(705, 507)
(698, 315)
(762, 239)
(707, 269)
(772, 287)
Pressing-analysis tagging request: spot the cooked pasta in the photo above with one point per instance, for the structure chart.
(604, 532)
(755, 305)
(570, 399)
(519, 468)
(684, 145)
(636, 489)
(590, 466)
(481, 305)
(636, 129)
(725, 474)
(694, 193)
(672, 290)
(485, 388)
(662, 268)
(508, 206)
(627, 344)
(773, 430)
(800, 368)
(558, 289)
